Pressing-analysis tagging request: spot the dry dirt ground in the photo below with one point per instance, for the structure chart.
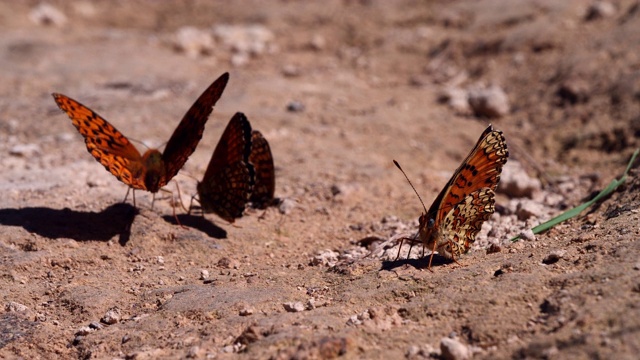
(339, 88)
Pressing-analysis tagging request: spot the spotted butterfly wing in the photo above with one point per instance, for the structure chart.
(152, 170)
(105, 143)
(262, 161)
(462, 223)
(456, 215)
(227, 183)
(481, 168)
(185, 138)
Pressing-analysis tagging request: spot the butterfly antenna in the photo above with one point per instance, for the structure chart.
(134, 140)
(413, 187)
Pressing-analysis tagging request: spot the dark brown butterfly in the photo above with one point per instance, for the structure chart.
(151, 170)
(240, 171)
(456, 215)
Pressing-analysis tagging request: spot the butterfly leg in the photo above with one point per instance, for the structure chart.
(431, 257)
(127, 195)
(133, 194)
(180, 197)
(400, 248)
(453, 255)
(173, 205)
(153, 200)
(409, 253)
(191, 204)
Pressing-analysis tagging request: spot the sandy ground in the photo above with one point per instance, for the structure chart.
(339, 89)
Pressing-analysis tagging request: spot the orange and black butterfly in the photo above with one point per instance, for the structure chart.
(151, 170)
(240, 171)
(468, 200)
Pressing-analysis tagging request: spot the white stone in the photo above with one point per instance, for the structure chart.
(46, 14)
(454, 350)
(294, 306)
(193, 42)
(515, 182)
(491, 102)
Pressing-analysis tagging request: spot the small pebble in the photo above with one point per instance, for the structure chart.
(527, 235)
(494, 248)
(554, 257)
(96, 325)
(454, 350)
(456, 98)
(204, 274)
(45, 14)
(526, 209)
(293, 306)
(286, 206)
(295, 106)
(311, 304)
(247, 311)
(290, 71)
(354, 320)
(252, 39)
(318, 42)
(227, 263)
(239, 59)
(12, 306)
(194, 352)
(25, 150)
(112, 316)
(490, 102)
(326, 258)
(193, 42)
(600, 9)
(516, 183)
(85, 330)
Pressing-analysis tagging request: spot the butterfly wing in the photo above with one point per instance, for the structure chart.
(186, 136)
(481, 169)
(229, 178)
(262, 161)
(463, 222)
(105, 142)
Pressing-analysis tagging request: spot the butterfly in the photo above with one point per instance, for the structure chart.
(151, 170)
(467, 200)
(240, 171)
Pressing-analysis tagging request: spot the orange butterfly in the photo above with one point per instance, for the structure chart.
(456, 215)
(240, 171)
(152, 170)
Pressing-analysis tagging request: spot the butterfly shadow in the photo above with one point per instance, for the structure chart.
(197, 222)
(420, 263)
(77, 225)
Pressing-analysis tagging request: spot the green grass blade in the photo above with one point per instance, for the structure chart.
(578, 209)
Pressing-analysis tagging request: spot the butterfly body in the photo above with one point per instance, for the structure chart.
(155, 175)
(467, 200)
(152, 170)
